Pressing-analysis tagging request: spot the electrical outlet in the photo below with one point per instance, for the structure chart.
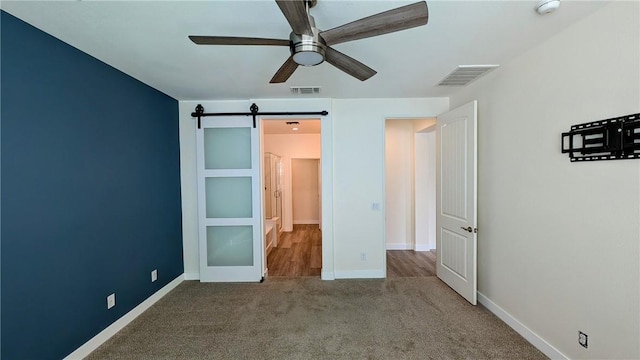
(583, 339)
(111, 301)
(154, 275)
(375, 206)
(363, 256)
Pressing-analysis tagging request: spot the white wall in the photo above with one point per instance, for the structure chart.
(359, 178)
(425, 190)
(290, 146)
(304, 190)
(559, 242)
(352, 152)
(399, 198)
(410, 184)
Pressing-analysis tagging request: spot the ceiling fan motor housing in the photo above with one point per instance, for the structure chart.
(308, 50)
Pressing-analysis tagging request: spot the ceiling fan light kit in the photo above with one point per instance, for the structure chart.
(307, 50)
(309, 57)
(310, 46)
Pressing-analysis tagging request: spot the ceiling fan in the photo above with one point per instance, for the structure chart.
(310, 46)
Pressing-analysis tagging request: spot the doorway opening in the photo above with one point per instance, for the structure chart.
(292, 205)
(410, 197)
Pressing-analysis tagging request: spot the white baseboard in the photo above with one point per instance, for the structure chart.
(192, 276)
(305, 222)
(327, 275)
(424, 247)
(360, 274)
(399, 246)
(84, 350)
(521, 329)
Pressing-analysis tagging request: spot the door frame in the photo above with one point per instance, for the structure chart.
(384, 242)
(326, 156)
(428, 125)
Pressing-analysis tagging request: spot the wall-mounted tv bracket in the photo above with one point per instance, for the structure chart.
(254, 111)
(611, 139)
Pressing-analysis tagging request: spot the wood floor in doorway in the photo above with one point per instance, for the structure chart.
(299, 253)
(409, 263)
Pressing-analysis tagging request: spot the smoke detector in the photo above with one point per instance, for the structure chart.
(547, 6)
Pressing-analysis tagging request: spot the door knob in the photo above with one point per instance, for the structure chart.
(468, 228)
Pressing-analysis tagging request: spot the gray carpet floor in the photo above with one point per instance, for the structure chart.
(307, 318)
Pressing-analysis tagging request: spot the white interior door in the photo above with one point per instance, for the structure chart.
(456, 200)
(229, 212)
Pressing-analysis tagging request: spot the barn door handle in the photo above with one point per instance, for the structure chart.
(468, 229)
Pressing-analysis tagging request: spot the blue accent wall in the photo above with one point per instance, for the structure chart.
(90, 193)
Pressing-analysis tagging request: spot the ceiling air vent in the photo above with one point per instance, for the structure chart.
(305, 90)
(464, 74)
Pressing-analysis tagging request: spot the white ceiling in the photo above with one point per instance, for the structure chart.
(148, 40)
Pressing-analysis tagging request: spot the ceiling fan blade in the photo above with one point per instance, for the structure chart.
(285, 71)
(348, 64)
(296, 13)
(401, 18)
(232, 40)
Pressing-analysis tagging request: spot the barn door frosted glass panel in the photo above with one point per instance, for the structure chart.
(227, 148)
(228, 197)
(230, 246)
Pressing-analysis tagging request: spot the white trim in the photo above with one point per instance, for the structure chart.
(84, 350)
(326, 156)
(423, 247)
(521, 329)
(192, 276)
(360, 274)
(306, 222)
(327, 275)
(399, 246)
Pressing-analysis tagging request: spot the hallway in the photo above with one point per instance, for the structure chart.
(299, 253)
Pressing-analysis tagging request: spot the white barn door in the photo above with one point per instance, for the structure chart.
(456, 201)
(229, 191)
